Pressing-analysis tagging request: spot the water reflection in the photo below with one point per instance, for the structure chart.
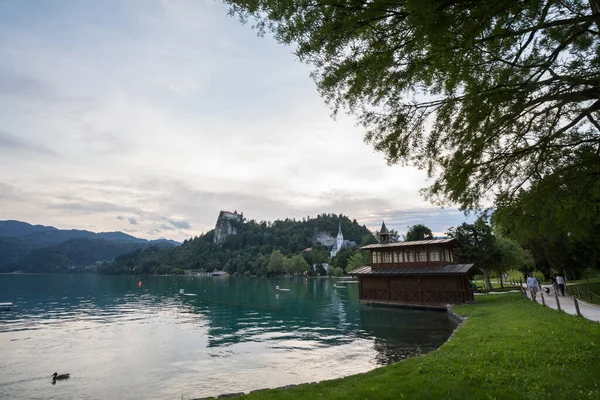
(150, 341)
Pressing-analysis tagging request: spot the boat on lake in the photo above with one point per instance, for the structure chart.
(182, 291)
(339, 286)
(6, 306)
(281, 289)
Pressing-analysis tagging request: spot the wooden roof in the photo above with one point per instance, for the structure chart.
(413, 244)
(451, 269)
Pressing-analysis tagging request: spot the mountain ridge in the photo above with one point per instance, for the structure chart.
(40, 248)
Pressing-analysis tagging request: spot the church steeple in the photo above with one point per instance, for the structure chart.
(338, 243)
(384, 234)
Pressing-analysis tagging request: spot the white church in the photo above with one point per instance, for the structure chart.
(338, 244)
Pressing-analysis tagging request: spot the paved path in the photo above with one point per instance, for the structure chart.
(567, 304)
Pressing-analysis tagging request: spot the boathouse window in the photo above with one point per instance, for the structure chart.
(376, 257)
(387, 257)
(397, 257)
(410, 256)
(422, 255)
(434, 255)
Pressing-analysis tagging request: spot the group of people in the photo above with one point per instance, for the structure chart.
(558, 283)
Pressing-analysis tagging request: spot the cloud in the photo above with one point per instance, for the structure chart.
(436, 219)
(156, 119)
(15, 84)
(10, 144)
(180, 224)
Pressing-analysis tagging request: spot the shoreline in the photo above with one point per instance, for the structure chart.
(500, 351)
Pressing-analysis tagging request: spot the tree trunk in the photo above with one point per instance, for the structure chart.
(501, 282)
(486, 277)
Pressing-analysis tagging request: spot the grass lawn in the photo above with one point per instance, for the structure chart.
(509, 348)
(593, 286)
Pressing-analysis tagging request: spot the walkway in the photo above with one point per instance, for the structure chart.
(567, 304)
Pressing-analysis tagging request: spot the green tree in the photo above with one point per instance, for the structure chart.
(485, 95)
(341, 258)
(561, 230)
(477, 245)
(512, 256)
(297, 265)
(338, 271)
(355, 261)
(276, 263)
(418, 232)
(368, 239)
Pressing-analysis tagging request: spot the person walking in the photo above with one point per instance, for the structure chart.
(533, 285)
(560, 281)
(554, 285)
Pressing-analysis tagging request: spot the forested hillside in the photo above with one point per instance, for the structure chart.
(249, 251)
(37, 248)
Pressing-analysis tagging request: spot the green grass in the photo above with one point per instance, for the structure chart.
(593, 286)
(509, 348)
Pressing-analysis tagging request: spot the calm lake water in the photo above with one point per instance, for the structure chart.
(122, 341)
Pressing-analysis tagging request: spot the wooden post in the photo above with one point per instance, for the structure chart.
(590, 295)
(578, 292)
(543, 301)
(557, 302)
(577, 306)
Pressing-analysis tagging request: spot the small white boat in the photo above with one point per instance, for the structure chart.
(339, 286)
(281, 289)
(6, 306)
(181, 291)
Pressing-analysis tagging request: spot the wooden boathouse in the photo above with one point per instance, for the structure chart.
(416, 274)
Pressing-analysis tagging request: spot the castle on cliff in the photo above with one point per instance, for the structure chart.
(224, 228)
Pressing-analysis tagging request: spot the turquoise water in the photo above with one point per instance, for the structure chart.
(120, 340)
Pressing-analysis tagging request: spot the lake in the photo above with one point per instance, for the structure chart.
(120, 340)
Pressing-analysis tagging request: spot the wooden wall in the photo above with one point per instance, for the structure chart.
(430, 290)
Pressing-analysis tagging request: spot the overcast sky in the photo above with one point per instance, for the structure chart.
(150, 116)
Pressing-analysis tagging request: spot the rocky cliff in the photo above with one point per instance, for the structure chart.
(224, 226)
(323, 238)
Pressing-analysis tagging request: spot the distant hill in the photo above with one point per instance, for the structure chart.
(17, 228)
(237, 245)
(38, 248)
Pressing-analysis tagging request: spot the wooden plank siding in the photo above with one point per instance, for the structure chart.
(431, 291)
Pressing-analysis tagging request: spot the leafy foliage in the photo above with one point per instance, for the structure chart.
(561, 227)
(477, 245)
(418, 232)
(358, 260)
(488, 96)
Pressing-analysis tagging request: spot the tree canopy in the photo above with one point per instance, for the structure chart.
(488, 96)
(258, 248)
(477, 245)
(418, 232)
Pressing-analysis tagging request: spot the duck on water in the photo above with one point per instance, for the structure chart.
(59, 377)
